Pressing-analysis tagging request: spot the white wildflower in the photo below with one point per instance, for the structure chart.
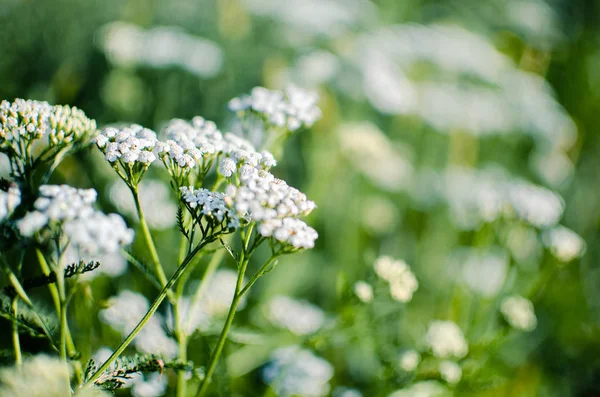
(397, 273)
(98, 234)
(519, 313)
(445, 339)
(149, 385)
(450, 371)
(294, 371)
(409, 360)
(292, 108)
(483, 271)
(364, 291)
(124, 311)
(133, 145)
(300, 317)
(564, 243)
(24, 122)
(153, 339)
(227, 167)
(210, 204)
(219, 293)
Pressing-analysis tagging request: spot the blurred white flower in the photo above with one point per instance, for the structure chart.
(315, 68)
(379, 214)
(397, 273)
(445, 339)
(564, 243)
(364, 291)
(329, 18)
(112, 264)
(160, 47)
(150, 385)
(153, 339)
(300, 317)
(450, 371)
(294, 371)
(519, 313)
(124, 311)
(159, 209)
(293, 108)
(483, 271)
(9, 200)
(219, 293)
(373, 154)
(505, 99)
(409, 360)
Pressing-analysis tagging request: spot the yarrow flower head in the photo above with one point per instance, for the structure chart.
(52, 129)
(518, 312)
(132, 147)
(211, 205)
(292, 108)
(68, 210)
(274, 205)
(397, 273)
(445, 339)
(409, 360)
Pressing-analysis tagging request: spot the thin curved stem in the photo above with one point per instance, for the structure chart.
(239, 293)
(15, 331)
(161, 296)
(148, 238)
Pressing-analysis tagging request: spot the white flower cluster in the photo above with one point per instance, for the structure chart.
(397, 273)
(450, 371)
(24, 121)
(298, 372)
(57, 203)
(274, 205)
(90, 231)
(241, 154)
(99, 233)
(479, 196)
(342, 391)
(155, 198)
(300, 317)
(364, 291)
(9, 200)
(518, 312)
(123, 313)
(292, 108)
(564, 243)
(198, 142)
(445, 339)
(131, 145)
(211, 204)
(112, 264)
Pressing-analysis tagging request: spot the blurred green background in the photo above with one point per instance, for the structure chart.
(409, 90)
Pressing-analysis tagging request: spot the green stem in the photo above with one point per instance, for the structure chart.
(20, 291)
(60, 283)
(228, 321)
(239, 293)
(15, 332)
(161, 296)
(148, 238)
(56, 299)
(212, 266)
